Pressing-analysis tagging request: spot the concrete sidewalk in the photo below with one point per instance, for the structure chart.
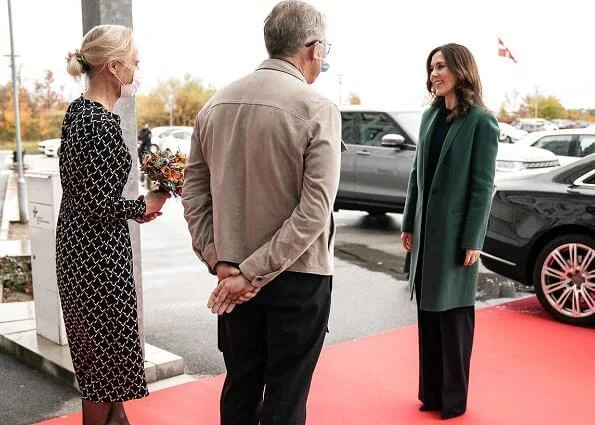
(18, 336)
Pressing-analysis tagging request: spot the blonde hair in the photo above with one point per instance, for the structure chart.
(101, 44)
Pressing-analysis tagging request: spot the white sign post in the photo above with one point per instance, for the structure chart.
(45, 194)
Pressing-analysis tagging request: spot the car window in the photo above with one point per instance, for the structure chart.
(530, 128)
(586, 145)
(166, 133)
(558, 145)
(374, 125)
(350, 129)
(184, 135)
(410, 122)
(574, 171)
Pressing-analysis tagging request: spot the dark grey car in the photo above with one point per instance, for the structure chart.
(375, 168)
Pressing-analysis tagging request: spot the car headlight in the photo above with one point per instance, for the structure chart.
(509, 166)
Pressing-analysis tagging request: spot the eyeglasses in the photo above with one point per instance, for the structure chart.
(327, 46)
(130, 67)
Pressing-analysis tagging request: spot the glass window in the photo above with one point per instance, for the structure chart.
(167, 133)
(572, 172)
(374, 125)
(558, 145)
(349, 130)
(410, 122)
(586, 145)
(184, 135)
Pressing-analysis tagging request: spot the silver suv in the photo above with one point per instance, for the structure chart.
(375, 169)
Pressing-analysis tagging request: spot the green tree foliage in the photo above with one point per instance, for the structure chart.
(189, 96)
(548, 107)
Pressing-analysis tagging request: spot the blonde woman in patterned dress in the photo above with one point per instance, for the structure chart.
(93, 250)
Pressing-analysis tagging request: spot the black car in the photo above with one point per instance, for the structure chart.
(542, 233)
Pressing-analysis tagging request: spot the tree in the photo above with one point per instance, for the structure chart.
(503, 115)
(151, 108)
(49, 107)
(29, 126)
(190, 95)
(535, 104)
(544, 107)
(550, 108)
(511, 100)
(354, 99)
(50, 124)
(41, 110)
(580, 114)
(530, 106)
(46, 97)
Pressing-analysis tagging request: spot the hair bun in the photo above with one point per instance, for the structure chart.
(74, 65)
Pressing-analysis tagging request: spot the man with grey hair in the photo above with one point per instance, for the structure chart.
(260, 184)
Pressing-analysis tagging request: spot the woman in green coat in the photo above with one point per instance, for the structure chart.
(444, 223)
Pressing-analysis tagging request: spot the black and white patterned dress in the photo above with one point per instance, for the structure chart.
(94, 256)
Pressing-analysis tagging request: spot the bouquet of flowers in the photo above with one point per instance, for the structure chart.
(166, 169)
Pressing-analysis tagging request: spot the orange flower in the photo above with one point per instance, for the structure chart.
(166, 172)
(176, 176)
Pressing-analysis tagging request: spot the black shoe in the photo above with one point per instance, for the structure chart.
(449, 414)
(430, 408)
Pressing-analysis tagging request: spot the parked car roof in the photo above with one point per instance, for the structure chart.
(363, 108)
(536, 135)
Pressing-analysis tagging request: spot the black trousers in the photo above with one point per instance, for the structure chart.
(271, 345)
(445, 344)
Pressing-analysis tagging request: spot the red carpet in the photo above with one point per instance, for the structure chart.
(527, 369)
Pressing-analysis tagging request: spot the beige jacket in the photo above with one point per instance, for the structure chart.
(262, 175)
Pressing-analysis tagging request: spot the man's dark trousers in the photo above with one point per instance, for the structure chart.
(271, 345)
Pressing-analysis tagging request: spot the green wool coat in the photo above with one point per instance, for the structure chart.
(458, 208)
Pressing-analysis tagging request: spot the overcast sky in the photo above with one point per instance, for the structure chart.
(379, 46)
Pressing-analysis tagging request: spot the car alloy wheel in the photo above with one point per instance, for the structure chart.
(566, 284)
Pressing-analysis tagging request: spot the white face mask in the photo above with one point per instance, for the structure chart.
(129, 90)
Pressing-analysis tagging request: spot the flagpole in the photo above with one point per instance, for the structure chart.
(504, 52)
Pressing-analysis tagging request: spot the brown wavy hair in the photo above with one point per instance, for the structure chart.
(461, 63)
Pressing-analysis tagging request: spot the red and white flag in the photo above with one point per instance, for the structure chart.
(504, 51)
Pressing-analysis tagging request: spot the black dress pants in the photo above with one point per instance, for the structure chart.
(445, 344)
(271, 345)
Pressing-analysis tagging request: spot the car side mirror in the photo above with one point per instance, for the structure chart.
(393, 140)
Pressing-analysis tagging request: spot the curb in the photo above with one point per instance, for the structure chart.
(19, 338)
(5, 203)
(489, 284)
(3, 191)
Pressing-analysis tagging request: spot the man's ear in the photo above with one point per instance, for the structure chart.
(312, 51)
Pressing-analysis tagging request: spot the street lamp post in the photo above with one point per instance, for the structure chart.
(17, 125)
(170, 106)
(536, 101)
(340, 77)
